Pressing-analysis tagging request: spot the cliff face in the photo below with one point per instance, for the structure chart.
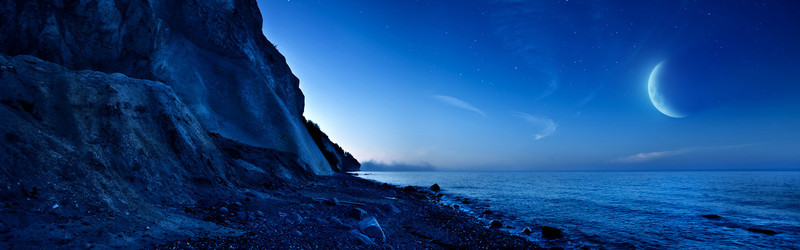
(127, 114)
(211, 53)
(339, 159)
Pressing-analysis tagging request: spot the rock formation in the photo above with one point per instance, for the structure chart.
(127, 111)
(212, 53)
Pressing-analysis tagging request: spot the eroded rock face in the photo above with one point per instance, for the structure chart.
(94, 146)
(89, 135)
(212, 53)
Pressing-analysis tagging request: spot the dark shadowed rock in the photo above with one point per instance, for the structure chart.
(551, 232)
(495, 224)
(392, 208)
(711, 216)
(361, 238)
(332, 201)
(527, 230)
(357, 213)
(409, 189)
(435, 187)
(337, 222)
(762, 231)
(371, 228)
(296, 217)
(486, 212)
(224, 210)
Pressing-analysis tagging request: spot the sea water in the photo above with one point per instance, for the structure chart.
(633, 209)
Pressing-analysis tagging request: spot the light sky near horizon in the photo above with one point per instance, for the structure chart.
(548, 85)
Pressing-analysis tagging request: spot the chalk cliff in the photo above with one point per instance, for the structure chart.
(118, 115)
(211, 53)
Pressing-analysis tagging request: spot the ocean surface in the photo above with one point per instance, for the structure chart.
(631, 209)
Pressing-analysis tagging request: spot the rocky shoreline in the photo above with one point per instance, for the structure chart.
(342, 211)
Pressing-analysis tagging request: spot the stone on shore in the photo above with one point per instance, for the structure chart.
(296, 217)
(495, 224)
(527, 230)
(357, 213)
(337, 222)
(224, 210)
(361, 238)
(332, 201)
(371, 228)
(551, 232)
(435, 187)
(392, 208)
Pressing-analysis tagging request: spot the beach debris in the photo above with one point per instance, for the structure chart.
(495, 224)
(371, 228)
(357, 213)
(551, 232)
(223, 210)
(762, 231)
(527, 230)
(435, 187)
(361, 238)
(711, 216)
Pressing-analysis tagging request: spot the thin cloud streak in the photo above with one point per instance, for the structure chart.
(643, 157)
(548, 126)
(458, 103)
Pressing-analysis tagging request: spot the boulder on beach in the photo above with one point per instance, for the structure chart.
(551, 232)
(435, 187)
(357, 213)
(495, 224)
(371, 228)
(296, 217)
(337, 222)
(392, 208)
(332, 201)
(361, 238)
(527, 230)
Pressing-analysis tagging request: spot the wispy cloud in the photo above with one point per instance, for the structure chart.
(644, 157)
(546, 126)
(458, 103)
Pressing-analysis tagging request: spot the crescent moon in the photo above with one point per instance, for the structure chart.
(657, 98)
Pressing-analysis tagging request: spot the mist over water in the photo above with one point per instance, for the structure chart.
(636, 209)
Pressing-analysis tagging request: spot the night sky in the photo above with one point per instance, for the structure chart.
(550, 85)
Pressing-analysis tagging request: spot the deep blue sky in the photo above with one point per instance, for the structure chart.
(549, 85)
